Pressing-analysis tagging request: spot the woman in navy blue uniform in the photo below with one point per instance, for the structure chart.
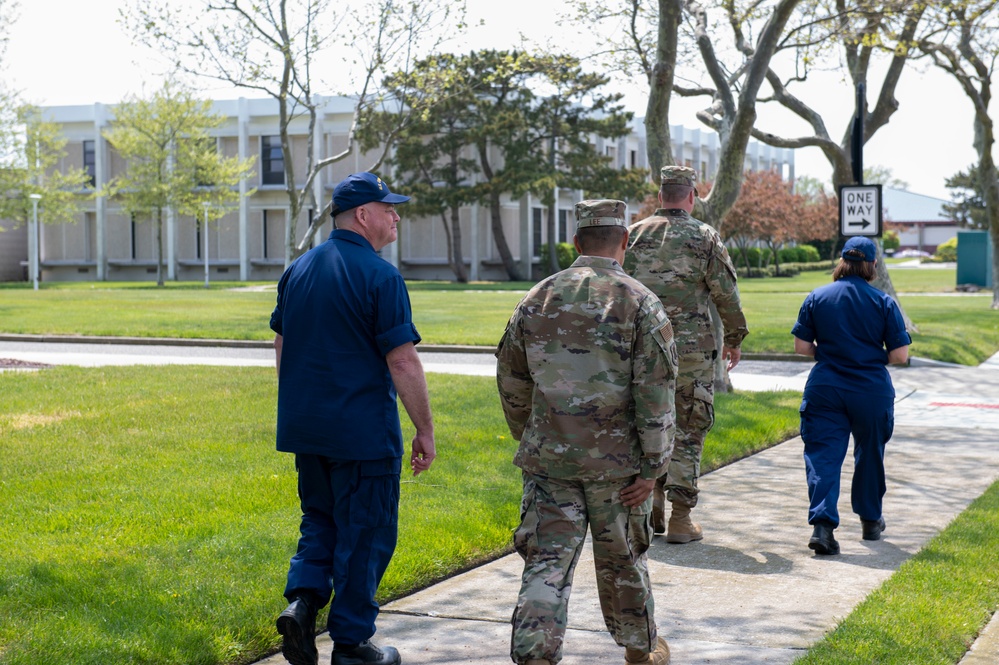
(854, 331)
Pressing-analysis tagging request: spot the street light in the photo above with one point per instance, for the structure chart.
(36, 257)
(204, 235)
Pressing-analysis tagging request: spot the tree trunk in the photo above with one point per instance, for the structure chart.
(455, 257)
(496, 217)
(658, 146)
(496, 222)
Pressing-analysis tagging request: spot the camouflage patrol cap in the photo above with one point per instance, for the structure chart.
(600, 212)
(678, 175)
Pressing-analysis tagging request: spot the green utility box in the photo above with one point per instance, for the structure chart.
(974, 258)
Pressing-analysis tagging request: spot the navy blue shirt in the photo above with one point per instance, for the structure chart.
(340, 309)
(854, 325)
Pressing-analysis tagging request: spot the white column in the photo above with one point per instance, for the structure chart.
(473, 238)
(100, 203)
(243, 130)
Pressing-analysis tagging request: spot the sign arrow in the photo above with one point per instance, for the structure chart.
(862, 224)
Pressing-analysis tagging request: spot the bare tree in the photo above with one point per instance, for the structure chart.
(271, 46)
(964, 43)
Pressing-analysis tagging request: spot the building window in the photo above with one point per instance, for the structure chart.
(197, 237)
(90, 162)
(563, 217)
(634, 158)
(271, 160)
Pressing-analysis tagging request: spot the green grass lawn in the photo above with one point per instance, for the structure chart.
(952, 328)
(930, 611)
(148, 518)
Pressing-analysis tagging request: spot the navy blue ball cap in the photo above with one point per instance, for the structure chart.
(360, 188)
(860, 244)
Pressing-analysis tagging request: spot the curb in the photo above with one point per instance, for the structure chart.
(219, 343)
(429, 348)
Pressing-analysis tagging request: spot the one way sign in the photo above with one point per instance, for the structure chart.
(860, 210)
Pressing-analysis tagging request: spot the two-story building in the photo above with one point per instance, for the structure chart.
(247, 243)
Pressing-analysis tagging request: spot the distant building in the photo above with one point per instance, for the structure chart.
(247, 244)
(922, 222)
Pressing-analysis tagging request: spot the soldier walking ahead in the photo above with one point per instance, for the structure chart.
(684, 262)
(586, 372)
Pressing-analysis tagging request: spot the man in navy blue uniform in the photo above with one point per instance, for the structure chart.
(345, 344)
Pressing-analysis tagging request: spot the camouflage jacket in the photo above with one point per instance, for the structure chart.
(586, 373)
(684, 262)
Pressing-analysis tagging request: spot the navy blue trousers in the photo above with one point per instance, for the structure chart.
(350, 519)
(828, 417)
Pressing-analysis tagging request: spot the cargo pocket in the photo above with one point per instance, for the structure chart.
(525, 537)
(803, 414)
(375, 501)
(640, 527)
(702, 411)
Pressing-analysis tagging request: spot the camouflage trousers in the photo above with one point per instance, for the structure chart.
(695, 415)
(554, 516)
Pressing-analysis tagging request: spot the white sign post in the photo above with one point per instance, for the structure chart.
(860, 210)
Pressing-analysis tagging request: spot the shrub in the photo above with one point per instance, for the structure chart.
(565, 253)
(890, 241)
(811, 266)
(758, 258)
(788, 254)
(808, 254)
(788, 270)
(947, 251)
(798, 254)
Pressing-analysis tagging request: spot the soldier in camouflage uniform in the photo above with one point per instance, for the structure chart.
(586, 372)
(684, 262)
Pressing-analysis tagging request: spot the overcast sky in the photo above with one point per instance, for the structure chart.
(71, 52)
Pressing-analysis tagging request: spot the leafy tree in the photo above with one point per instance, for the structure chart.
(794, 39)
(967, 205)
(883, 175)
(766, 211)
(171, 160)
(501, 122)
(271, 46)
(964, 43)
(29, 166)
(819, 225)
(558, 150)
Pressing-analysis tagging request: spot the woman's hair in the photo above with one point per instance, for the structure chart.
(855, 268)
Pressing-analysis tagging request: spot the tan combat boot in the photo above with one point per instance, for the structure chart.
(658, 510)
(681, 528)
(660, 656)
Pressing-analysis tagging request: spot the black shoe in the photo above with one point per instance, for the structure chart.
(822, 540)
(297, 625)
(365, 653)
(872, 530)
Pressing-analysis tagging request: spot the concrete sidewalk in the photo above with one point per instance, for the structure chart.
(750, 592)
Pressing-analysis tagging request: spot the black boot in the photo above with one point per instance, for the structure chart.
(365, 653)
(872, 530)
(297, 625)
(822, 540)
